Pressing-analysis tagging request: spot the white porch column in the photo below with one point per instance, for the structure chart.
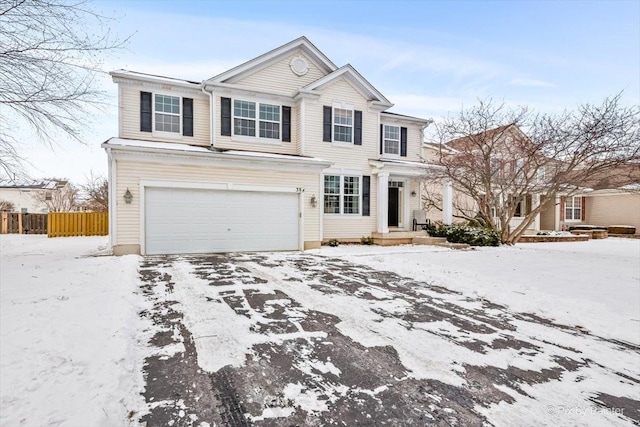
(556, 224)
(383, 202)
(535, 202)
(447, 202)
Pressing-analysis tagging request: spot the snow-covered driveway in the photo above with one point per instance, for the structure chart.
(322, 338)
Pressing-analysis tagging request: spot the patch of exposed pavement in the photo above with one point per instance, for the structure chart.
(312, 373)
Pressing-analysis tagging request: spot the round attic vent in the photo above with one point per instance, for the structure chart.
(299, 66)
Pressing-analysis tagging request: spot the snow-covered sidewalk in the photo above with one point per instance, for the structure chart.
(69, 330)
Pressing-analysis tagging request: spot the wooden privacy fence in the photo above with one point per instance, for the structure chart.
(64, 224)
(23, 223)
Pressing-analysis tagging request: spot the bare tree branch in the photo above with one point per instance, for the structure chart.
(50, 55)
(497, 157)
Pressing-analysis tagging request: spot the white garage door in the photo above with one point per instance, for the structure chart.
(179, 220)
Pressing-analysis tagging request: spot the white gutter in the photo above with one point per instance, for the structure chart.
(212, 112)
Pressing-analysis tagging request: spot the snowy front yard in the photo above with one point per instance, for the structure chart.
(537, 334)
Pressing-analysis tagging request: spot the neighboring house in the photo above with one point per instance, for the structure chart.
(30, 196)
(599, 207)
(283, 152)
(611, 198)
(506, 167)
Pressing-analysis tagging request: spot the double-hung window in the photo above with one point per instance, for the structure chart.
(167, 113)
(573, 208)
(342, 124)
(342, 194)
(245, 118)
(392, 140)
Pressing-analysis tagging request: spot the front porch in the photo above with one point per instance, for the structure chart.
(413, 237)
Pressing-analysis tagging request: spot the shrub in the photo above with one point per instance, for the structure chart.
(465, 233)
(333, 243)
(366, 240)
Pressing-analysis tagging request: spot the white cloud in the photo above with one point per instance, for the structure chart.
(530, 83)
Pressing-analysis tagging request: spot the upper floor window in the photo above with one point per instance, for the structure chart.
(391, 140)
(342, 124)
(573, 208)
(167, 113)
(342, 194)
(244, 119)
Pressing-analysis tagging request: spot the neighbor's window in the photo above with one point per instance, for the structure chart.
(244, 119)
(391, 140)
(167, 113)
(573, 208)
(342, 124)
(342, 194)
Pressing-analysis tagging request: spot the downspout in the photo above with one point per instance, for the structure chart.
(212, 111)
(112, 197)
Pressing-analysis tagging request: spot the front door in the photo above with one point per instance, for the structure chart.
(394, 198)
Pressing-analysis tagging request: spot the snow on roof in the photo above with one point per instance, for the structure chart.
(175, 146)
(404, 116)
(146, 76)
(46, 184)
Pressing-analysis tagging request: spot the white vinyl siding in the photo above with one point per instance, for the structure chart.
(129, 119)
(278, 77)
(615, 209)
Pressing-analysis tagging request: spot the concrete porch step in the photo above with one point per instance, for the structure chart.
(438, 241)
(396, 237)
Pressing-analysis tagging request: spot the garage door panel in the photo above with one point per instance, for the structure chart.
(201, 221)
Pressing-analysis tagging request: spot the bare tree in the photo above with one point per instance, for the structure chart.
(64, 198)
(494, 165)
(7, 206)
(95, 193)
(50, 56)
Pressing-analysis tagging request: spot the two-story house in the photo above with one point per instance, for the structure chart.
(283, 152)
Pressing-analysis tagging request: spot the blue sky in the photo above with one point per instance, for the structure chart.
(428, 57)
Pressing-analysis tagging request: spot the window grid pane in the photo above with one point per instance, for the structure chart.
(270, 112)
(167, 123)
(351, 195)
(244, 109)
(342, 133)
(269, 130)
(342, 116)
(332, 194)
(244, 127)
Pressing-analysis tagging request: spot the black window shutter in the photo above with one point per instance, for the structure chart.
(366, 195)
(145, 112)
(286, 124)
(381, 137)
(357, 127)
(403, 142)
(225, 116)
(326, 123)
(187, 116)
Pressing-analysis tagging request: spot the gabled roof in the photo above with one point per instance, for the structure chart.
(350, 73)
(273, 56)
(488, 135)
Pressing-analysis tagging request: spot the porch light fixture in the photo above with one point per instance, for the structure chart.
(413, 194)
(128, 197)
(313, 201)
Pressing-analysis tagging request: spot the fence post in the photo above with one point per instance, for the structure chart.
(20, 224)
(5, 222)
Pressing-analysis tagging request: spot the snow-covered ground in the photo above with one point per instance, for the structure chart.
(72, 342)
(593, 284)
(69, 332)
